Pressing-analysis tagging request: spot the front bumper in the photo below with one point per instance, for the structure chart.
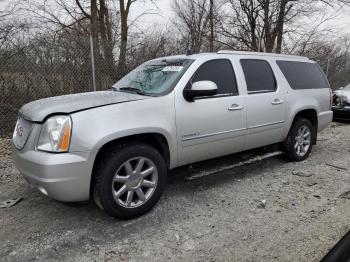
(341, 113)
(65, 177)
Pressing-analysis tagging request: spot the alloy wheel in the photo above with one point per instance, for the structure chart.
(302, 141)
(135, 182)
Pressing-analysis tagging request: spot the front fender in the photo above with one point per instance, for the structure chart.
(140, 131)
(94, 128)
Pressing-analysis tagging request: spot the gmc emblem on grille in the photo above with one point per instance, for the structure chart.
(19, 130)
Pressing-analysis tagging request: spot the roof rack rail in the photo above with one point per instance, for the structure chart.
(261, 54)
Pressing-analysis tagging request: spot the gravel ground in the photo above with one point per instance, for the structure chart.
(216, 218)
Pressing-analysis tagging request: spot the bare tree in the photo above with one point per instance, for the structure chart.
(275, 16)
(124, 9)
(260, 25)
(193, 16)
(84, 17)
(7, 9)
(211, 25)
(239, 25)
(152, 44)
(334, 58)
(257, 24)
(124, 12)
(214, 18)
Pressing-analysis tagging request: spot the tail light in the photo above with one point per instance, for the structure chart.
(330, 98)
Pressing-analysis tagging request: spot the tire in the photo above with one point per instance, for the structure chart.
(139, 167)
(301, 151)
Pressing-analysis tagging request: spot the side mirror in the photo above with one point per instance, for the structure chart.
(200, 88)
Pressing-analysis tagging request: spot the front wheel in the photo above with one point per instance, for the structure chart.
(130, 181)
(298, 144)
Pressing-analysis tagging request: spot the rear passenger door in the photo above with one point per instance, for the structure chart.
(265, 103)
(215, 125)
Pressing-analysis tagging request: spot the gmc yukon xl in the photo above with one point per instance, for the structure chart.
(117, 146)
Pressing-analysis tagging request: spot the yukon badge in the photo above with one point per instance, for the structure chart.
(190, 135)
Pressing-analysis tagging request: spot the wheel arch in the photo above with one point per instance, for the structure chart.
(309, 114)
(156, 140)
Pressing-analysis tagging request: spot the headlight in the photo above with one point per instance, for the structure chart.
(55, 134)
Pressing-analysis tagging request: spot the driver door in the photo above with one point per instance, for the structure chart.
(215, 125)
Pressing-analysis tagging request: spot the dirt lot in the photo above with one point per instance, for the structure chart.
(215, 218)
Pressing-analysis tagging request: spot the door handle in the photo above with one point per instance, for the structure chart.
(277, 102)
(235, 107)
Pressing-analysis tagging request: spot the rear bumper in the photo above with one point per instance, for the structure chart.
(341, 113)
(324, 119)
(65, 177)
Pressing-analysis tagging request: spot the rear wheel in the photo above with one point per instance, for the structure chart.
(130, 181)
(298, 144)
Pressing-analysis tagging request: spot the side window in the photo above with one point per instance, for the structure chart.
(303, 75)
(219, 71)
(258, 75)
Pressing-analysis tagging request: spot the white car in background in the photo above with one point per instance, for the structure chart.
(341, 103)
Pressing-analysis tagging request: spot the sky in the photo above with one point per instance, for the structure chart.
(344, 19)
(163, 8)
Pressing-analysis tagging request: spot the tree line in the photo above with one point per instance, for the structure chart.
(45, 45)
(56, 33)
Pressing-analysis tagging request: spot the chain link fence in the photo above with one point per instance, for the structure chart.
(46, 68)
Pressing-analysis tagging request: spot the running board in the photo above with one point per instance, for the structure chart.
(241, 163)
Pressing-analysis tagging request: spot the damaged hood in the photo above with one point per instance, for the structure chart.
(37, 110)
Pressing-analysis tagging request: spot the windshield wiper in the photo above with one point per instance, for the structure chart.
(132, 89)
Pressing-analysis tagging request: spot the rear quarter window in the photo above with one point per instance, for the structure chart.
(303, 75)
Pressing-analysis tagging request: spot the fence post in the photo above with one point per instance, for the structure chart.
(93, 63)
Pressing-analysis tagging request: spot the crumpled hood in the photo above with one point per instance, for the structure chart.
(37, 110)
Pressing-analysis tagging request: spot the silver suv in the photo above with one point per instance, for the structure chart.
(117, 146)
